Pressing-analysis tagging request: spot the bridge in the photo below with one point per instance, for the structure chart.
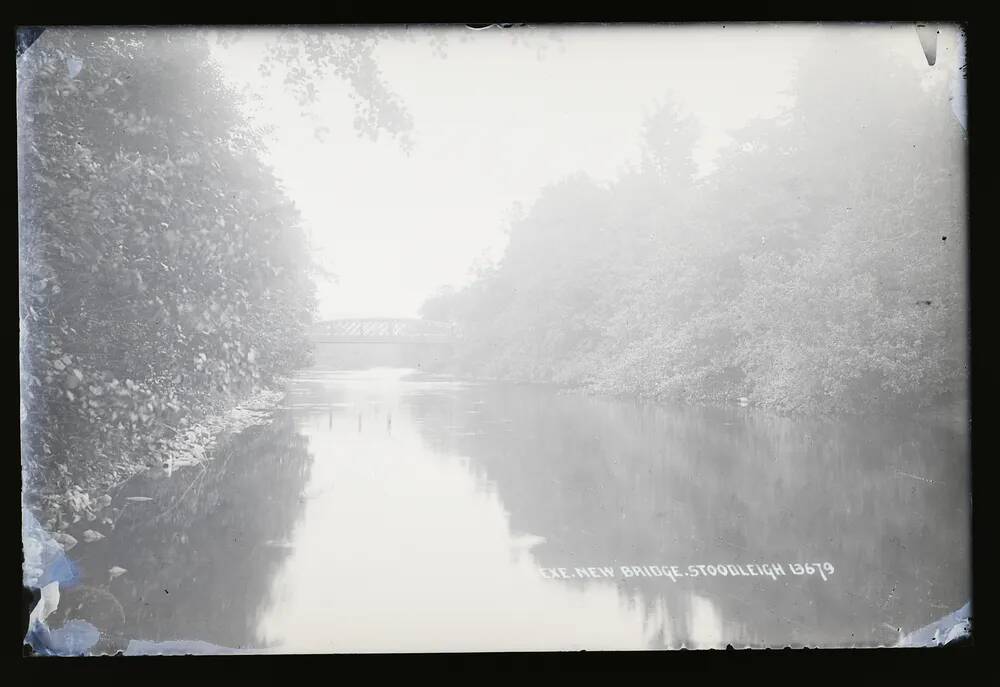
(382, 330)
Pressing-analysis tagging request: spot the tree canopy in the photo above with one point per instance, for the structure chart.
(161, 264)
(820, 266)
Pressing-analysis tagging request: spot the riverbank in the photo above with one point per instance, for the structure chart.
(954, 412)
(82, 511)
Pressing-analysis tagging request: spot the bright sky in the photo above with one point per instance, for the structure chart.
(494, 122)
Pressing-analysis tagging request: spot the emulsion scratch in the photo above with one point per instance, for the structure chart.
(922, 479)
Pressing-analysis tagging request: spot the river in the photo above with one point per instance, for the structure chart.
(387, 510)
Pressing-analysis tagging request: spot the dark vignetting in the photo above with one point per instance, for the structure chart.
(507, 338)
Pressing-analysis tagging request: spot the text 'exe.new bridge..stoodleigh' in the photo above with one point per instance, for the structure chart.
(382, 330)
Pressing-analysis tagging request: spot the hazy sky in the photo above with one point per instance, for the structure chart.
(494, 122)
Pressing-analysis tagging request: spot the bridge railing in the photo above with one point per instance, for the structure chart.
(383, 329)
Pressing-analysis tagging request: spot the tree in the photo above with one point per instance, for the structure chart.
(160, 261)
(819, 268)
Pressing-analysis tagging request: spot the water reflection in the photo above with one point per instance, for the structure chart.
(200, 554)
(409, 550)
(385, 510)
(431, 536)
(623, 483)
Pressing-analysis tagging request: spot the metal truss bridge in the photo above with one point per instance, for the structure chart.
(382, 330)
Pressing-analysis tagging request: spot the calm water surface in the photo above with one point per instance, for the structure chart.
(386, 510)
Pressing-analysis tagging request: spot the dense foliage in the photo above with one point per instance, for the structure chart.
(820, 267)
(161, 265)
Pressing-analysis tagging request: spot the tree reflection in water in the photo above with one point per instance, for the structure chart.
(200, 555)
(611, 482)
